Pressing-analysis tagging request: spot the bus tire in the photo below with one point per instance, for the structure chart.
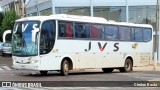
(128, 66)
(107, 70)
(43, 72)
(3, 54)
(64, 67)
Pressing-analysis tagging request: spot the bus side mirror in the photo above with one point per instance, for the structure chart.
(34, 34)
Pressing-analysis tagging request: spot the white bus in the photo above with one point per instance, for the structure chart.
(66, 42)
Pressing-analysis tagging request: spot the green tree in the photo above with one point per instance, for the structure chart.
(1, 19)
(8, 22)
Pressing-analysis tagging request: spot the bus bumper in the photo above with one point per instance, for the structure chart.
(26, 63)
(26, 66)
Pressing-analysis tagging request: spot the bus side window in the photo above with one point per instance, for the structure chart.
(82, 30)
(69, 31)
(78, 30)
(138, 34)
(65, 29)
(102, 33)
(124, 33)
(87, 29)
(62, 30)
(147, 34)
(132, 34)
(96, 31)
(47, 37)
(111, 33)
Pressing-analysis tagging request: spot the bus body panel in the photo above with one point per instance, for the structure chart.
(94, 58)
(88, 53)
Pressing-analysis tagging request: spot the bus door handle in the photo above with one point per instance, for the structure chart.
(77, 53)
(94, 53)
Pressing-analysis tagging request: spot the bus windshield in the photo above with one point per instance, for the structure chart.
(22, 43)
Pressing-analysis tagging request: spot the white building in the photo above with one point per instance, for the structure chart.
(134, 11)
(16, 5)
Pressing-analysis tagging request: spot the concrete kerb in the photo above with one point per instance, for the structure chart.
(137, 68)
(147, 68)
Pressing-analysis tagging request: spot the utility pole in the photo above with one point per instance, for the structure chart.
(156, 35)
(127, 11)
(91, 8)
(22, 1)
(53, 7)
(37, 6)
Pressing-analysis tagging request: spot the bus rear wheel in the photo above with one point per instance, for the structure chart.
(43, 72)
(128, 66)
(107, 70)
(64, 68)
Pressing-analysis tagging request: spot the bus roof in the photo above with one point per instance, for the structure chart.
(77, 18)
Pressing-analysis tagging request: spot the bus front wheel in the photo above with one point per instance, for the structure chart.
(65, 68)
(107, 70)
(128, 66)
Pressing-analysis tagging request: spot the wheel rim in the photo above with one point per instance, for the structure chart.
(127, 66)
(65, 67)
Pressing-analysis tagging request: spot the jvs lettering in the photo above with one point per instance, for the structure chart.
(103, 46)
(100, 46)
(89, 47)
(116, 47)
